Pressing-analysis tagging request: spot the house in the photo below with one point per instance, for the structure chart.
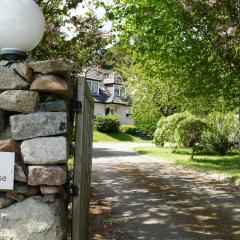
(109, 93)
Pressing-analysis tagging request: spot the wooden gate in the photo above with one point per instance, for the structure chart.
(82, 162)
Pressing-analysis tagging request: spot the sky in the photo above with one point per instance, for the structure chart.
(82, 10)
(99, 12)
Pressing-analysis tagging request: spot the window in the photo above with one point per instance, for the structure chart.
(128, 113)
(119, 91)
(116, 91)
(107, 111)
(94, 87)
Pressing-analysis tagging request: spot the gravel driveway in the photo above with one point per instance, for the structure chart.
(153, 200)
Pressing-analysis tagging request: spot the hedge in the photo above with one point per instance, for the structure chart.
(108, 124)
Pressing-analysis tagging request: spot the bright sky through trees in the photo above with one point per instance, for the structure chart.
(99, 12)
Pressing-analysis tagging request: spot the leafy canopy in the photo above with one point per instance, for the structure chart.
(191, 45)
(68, 35)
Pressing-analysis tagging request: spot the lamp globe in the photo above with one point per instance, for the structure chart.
(22, 27)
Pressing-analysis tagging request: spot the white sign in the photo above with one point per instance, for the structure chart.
(7, 161)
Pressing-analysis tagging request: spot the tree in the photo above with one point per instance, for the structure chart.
(152, 99)
(69, 36)
(191, 45)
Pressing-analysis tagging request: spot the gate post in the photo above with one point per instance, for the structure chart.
(83, 161)
(35, 100)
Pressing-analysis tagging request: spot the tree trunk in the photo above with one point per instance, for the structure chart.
(193, 152)
(174, 149)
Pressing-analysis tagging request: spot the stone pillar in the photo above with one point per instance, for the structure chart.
(35, 102)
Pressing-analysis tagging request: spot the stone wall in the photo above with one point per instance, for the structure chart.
(35, 121)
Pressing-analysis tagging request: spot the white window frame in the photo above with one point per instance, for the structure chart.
(90, 84)
(119, 89)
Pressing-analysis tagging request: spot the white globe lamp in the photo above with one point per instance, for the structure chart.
(22, 27)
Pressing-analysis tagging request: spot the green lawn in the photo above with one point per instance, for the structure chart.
(228, 165)
(114, 137)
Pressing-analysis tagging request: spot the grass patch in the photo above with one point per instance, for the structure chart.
(70, 163)
(206, 161)
(115, 137)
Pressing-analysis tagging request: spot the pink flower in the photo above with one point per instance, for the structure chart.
(231, 32)
(188, 6)
(211, 2)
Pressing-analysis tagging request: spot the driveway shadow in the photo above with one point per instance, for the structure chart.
(109, 153)
(162, 204)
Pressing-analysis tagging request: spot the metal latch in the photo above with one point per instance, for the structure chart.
(74, 190)
(78, 107)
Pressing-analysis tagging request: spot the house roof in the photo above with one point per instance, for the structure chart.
(95, 74)
(107, 79)
(105, 76)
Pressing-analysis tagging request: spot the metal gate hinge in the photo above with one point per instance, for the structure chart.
(75, 190)
(78, 107)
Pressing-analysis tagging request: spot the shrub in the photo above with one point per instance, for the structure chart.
(166, 128)
(222, 132)
(189, 132)
(108, 124)
(130, 129)
(145, 115)
(161, 134)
